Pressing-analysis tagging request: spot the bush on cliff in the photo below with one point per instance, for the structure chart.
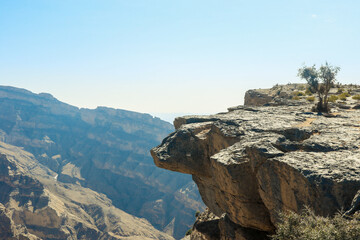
(356, 97)
(333, 98)
(344, 95)
(298, 93)
(308, 92)
(308, 226)
(320, 81)
(310, 98)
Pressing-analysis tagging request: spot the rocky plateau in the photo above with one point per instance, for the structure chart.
(271, 155)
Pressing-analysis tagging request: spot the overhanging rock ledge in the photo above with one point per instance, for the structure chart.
(253, 162)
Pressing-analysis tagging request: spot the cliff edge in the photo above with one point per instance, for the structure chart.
(253, 162)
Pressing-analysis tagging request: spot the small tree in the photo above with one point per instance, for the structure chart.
(320, 81)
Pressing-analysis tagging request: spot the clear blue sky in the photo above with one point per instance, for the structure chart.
(171, 56)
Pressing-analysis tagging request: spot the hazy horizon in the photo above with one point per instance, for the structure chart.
(171, 57)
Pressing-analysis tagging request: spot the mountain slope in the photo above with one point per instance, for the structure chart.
(104, 149)
(35, 205)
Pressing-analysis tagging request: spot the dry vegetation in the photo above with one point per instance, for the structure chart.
(308, 226)
(356, 97)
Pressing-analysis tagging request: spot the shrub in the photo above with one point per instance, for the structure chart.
(333, 98)
(320, 81)
(298, 93)
(188, 232)
(197, 213)
(308, 226)
(308, 92)
(356, 97)
(295, 98)
(310, 99)
(344, 95)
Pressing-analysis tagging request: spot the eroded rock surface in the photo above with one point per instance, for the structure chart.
(253, 162)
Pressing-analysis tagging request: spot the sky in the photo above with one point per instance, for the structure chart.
(167, 57)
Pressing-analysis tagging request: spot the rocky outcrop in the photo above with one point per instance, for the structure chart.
(210, 227)
(104, 149)
(296, 94)
(257, 98)
(34, 205)
(254, 162)
(277, 95)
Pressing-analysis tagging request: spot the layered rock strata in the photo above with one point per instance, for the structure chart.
(34, 206)
(104, 149)
(254, 162)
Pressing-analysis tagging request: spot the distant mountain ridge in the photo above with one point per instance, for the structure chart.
(104, 149)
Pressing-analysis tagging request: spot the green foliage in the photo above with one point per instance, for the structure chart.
(333, 98)
(295, 98)
(298, 93)
(310, 99)
(344, 95)
(320, 81)
(188, 232)
(310, 74)
(356, 97)
(308, 92)
(308, 226)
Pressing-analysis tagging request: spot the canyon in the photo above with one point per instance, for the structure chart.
(103, 149)
(35, 205)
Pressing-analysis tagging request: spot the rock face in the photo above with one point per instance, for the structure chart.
(257, 98)
(104, 149)
(277, 95)
(253, 162)
(34, 205)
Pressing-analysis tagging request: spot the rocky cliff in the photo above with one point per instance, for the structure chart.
(104, 149)
(34, 205)
(253, 162)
